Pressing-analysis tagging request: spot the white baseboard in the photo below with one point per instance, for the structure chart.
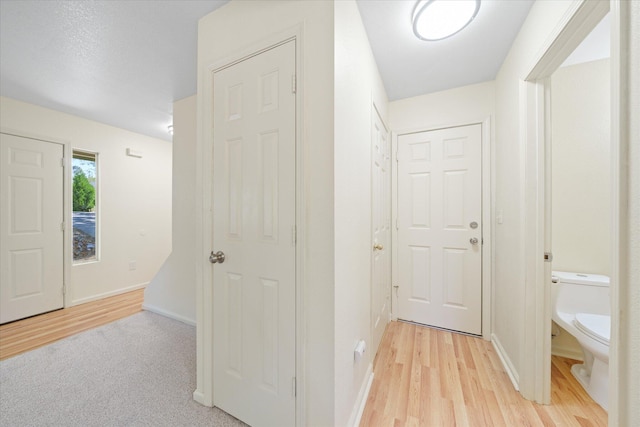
(199, 397)
(108, 294)
(169, 314)
(506, 362)
(568, 352)
(363, 395)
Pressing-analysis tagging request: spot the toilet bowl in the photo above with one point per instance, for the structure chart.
(581, 307)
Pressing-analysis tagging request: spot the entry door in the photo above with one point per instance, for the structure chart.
(254, 225)
(440, 229)
(381, 229)
(31, 216)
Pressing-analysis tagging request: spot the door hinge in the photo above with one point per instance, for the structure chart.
(64, 290)
(62, 162)
(294, 387)
(548, 257)
(62, 226)
(294, 235)
(294, 84)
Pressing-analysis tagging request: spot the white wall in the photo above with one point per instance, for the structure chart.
(134, 197)
(172, 292)
(463, 105)
(509, 284)
(581, 177)
(357, 87)
(236, 27)
(581, 168)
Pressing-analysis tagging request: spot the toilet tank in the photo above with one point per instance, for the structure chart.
(580, 293)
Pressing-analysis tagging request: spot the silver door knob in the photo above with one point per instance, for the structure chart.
(217, 257)
(473, 240)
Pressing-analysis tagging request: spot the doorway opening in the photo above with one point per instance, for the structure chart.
(580, 205)
(536, 101)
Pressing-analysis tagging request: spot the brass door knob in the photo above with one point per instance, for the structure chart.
(377, 247)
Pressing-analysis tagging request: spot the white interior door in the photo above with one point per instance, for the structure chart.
(440, 228)
(381, 229)
(31, 216)
(254, 225)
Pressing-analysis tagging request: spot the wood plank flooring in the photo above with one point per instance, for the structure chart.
(429, 377)
(28, 334)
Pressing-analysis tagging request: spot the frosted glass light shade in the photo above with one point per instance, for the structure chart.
(439, 19)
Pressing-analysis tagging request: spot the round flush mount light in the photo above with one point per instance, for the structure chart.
(439, 19)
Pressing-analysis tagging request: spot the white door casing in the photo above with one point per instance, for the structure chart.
(381, 228)
(31, 220)
(439, 246)
(254, 218)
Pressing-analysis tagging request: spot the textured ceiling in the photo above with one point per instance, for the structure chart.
(124, 62)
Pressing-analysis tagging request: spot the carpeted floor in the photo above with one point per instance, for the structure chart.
(138, 371)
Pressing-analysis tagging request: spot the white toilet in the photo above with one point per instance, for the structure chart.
(581, 307)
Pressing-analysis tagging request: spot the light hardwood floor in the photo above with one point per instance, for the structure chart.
(27, 334)
(429, 377)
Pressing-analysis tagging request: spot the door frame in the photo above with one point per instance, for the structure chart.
(580, 18)
(488, 187)
(375, 112)
(67, 186)
(204, 225)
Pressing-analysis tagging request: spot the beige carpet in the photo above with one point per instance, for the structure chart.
(138, 371)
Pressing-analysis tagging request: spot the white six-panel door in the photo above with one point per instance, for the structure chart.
(440, 228)
(381, 228)
(31, 234)
(254, 225)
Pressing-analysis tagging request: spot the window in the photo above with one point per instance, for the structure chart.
(85, 196)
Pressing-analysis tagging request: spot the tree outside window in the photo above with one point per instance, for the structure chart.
(84, 206)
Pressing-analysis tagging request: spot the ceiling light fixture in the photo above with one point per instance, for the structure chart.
(439, 19)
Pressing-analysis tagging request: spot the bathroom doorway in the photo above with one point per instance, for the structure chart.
(535, 105)
(580, 165)
(580, 173)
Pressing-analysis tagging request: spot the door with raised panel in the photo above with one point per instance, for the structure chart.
(381, 228)
(31, 234)
(440, 228)
(254, 187)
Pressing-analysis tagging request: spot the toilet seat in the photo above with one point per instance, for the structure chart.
(597, 326)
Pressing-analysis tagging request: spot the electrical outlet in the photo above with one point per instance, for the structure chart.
(133, 265)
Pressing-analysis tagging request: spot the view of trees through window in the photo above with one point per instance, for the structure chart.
(84, 206)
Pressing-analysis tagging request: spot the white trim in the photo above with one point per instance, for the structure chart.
(394, 226)
(619, 403)
(109, 294)
(167, 313)
(204, 205)
(578, 21)
(487, 229)
(488, 186)
(537, 339)
(506, 362)
(580, 18)
(363, 396)
(567, 352)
